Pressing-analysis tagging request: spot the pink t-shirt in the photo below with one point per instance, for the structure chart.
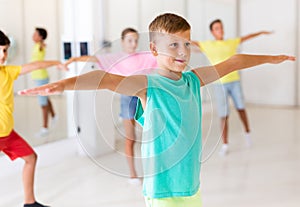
(128, 64)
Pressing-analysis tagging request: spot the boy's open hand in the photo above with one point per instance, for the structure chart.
(48, 89)
(281, 58)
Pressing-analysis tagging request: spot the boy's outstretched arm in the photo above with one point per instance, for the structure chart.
(237, 62)
(130, 85)
(26, 68)
(85, 58)
(253, 35)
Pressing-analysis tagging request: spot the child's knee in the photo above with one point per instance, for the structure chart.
(31, 158)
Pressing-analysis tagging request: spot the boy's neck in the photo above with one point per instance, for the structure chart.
(219, 38)
(170, 74)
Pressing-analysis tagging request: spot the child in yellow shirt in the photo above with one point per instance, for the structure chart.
(12, 144)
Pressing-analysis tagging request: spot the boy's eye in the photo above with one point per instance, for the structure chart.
(187, 44)
(174, 44)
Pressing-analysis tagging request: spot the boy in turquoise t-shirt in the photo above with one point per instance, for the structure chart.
(169, 109)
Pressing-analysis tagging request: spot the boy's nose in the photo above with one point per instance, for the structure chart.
(182, 52)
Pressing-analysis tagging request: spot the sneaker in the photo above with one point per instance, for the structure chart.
(42, 133)
(135, 181)
(35, 204)
(54, 121)
(248, 140)
(224, 150)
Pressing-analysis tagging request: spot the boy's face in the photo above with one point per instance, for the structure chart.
(130, 42)
(218, 31)
(172, 50)
(36, 37)
(3, 53)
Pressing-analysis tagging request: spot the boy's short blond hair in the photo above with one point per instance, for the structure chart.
(168, 23)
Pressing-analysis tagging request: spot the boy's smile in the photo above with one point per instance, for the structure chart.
(172, 51)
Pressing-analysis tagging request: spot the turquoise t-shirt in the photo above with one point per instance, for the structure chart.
(172, 132)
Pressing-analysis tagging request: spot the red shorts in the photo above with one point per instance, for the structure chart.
(15, 146)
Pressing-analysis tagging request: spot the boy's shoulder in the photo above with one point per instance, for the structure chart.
(11, 70)
(10, 67)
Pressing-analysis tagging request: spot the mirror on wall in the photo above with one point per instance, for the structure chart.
(20, 26)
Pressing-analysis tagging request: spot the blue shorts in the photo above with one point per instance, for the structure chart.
(43, 100)
(223, 91)
(128, 106)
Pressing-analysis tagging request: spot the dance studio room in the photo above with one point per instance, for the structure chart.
(96, 96)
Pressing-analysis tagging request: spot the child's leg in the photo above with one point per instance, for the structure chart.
(238, 99)
(224, 127)
(28, 178)
(44, 102)
(51, 110)
(221, 92)
(45, 111)
(129, 126)
(128, 108)
(16, 147)
(237, 96)
(244, 119)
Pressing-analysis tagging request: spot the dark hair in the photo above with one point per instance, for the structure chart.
(4, 39)
(42, 32)
(214, 22)
(126, 31)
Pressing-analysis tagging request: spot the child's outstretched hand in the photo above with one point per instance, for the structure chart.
(267, 32)
(62, 67)
(281, 58)
(68, 62)
(48, 89)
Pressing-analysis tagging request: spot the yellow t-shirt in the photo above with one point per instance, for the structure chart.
(8, 74)
(38, 55)
(220, 50)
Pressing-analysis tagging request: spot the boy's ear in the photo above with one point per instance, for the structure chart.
(153, 49)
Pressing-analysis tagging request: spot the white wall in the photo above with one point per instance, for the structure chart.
(297, 52)
(120, 14)
(270, 84)
(202, 12)
(137, 14)
(150, 9)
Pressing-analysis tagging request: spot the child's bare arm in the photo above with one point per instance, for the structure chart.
(85, 58)
(195, 46)
(131, 85)
(237, 62)
(26, 68)
(253, 35)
